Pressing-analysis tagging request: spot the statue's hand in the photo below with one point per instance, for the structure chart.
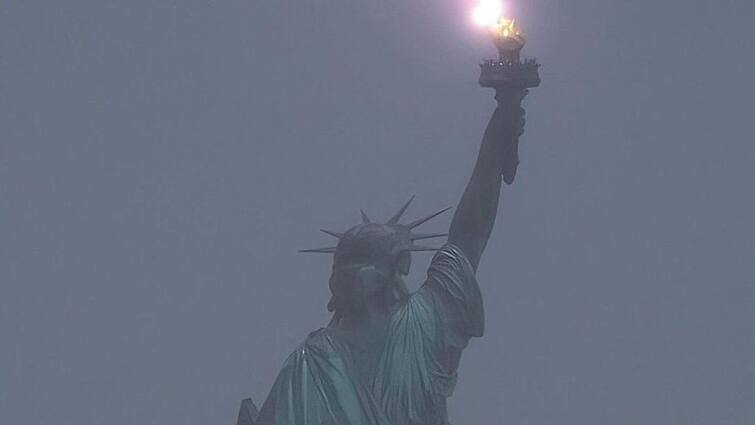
(511, 111)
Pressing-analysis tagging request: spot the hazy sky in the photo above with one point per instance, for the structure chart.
(161, 162)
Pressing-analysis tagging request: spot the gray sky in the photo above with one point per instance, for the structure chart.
(161, 162)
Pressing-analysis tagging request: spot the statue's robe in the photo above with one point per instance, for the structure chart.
(407, 382)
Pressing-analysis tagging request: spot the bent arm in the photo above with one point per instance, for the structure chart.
(497, 159)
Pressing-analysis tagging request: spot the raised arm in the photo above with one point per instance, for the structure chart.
(497, 159)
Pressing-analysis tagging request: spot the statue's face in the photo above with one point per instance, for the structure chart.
(358, 285)
(367, 268)
(372, 282)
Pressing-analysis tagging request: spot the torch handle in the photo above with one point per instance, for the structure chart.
(511, 113)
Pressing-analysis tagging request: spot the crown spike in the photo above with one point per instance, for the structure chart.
(365, 219)
(422, 220)
(396, 217)
(329, 250)
(420, 236)
(332, 233)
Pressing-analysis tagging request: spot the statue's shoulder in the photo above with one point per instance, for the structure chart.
(321, 343)
(319, 339)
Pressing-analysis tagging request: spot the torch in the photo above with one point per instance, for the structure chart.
(510, 74)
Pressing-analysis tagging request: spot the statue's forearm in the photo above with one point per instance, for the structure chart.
(474, 218)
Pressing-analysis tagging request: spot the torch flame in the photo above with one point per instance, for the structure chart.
(489, 14)
(507, 28)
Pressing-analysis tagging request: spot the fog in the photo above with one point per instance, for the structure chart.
(161, 162)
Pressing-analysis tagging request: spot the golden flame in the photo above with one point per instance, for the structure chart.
(506, 27)
(490, 14)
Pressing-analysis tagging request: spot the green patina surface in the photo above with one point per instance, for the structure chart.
(407, 381)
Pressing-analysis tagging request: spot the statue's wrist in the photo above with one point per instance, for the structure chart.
(510, 97)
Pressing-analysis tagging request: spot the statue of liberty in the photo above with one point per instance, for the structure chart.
(388, 356)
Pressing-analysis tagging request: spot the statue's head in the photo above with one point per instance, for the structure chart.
(370, 260)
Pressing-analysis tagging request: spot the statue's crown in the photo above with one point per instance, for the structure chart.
(370, 242)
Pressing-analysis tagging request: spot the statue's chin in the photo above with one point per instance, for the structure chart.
(372, 303)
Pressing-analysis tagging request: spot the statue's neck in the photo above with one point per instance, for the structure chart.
(365, 329)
